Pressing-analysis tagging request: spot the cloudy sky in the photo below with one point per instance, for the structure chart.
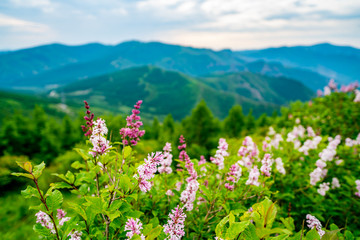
(217, 24)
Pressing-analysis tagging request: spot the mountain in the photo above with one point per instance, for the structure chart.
(309, 78)
(172, 92)
(54, 65)
(338, 62)
(60, 64)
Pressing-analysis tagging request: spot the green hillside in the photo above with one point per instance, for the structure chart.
(167, 92)
(12, 102)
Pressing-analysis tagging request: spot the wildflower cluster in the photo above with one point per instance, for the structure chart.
(248, 151)
(75, 235)
(147, 171)
(167, 160)
(218, 159)
(266, 164)
(233, 176)
(357, 182)
(313, 222)
(89, 117)
(45, 221)
(175, 225)
(100, 144)
(188, 196)
(253, 177)
(131, 132)
(332, 87)
(325, 155)
(134, 226)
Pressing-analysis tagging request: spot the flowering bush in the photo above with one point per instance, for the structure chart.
(118, 196)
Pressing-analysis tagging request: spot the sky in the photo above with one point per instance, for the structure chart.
(216, 24)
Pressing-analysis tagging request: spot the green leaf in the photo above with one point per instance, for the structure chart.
(154, 233)
(249, 233)
(312, 235)
(25, 165)
(349, 235)
(78, 165)
(147, 228)
(265, 232)
(113, 214)
(43, 231)
(135, 237)
(60, 176)
(38, 169)
(59, 185)
(289, 223)
(125, 183)
(221, 228)
(78, 209)
(333, 226)
(115, 205)
(280, 237)
(95, 203)
(236, 228)
(70, 176)
(331, 235)
(30, 192)
(127, 151)
(134, 214)
(154, 221)
(40, 207)
(54, 200)
(27, 175)
(82, 153)
(231, 218)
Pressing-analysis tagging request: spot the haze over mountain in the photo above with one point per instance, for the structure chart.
(341, 63)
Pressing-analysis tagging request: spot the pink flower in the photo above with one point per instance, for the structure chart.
(98, 140)
(313, 222)
(218, 159)
(131, 132)
(233, 176)
(323, 188)
(45, 221)
(134, 226)
(357, 182)
(175, 225)
(332, 84)
(89, 121)
(319, 93)
(188, 196)
(248, 151)
(202, 160)
(167, 160)
(169, 193)
(253, 177)
(76, 235)
(280, 166)
(61, 216)
(266, 165)
(147, 170)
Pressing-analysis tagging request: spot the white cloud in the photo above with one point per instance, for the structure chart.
(44, 5)
(18, 25)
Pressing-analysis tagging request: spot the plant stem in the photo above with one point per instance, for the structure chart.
(47, 208)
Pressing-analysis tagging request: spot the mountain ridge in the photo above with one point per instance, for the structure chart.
(172, 92)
